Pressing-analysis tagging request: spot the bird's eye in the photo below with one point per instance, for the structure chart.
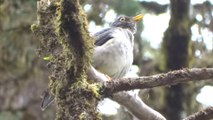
(122, 19)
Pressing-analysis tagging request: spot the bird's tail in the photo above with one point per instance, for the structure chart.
(47, 99)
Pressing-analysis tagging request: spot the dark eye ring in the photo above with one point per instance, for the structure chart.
(122, 19)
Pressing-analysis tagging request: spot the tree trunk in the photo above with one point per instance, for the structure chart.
(62, 30)
(176, 49)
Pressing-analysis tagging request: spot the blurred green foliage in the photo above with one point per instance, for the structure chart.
(10, 116)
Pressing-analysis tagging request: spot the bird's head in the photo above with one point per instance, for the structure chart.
(127, 22)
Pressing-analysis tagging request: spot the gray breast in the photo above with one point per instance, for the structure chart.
(115, 57)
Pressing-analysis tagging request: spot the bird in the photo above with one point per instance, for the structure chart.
(113, 51)
(113, 54)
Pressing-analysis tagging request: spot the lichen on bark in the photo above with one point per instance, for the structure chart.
(62, 31)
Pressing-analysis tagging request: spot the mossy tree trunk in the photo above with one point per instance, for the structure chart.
(176, 50)
(62, 30)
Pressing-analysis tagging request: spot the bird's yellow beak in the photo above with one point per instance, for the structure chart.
(138, 17)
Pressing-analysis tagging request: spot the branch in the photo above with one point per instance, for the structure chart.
(93, 74)
(205, 114)
(134, 104)
(170, 78)
(154, 7)
(137, 107)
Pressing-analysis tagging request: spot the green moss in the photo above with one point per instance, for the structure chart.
(69, 49)
(53, 84)
(47, 58)
(92, 89)
(95, 88)
(82, 116)
(34, 27)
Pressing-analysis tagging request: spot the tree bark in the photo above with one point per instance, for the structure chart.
(136, 106)
(62, 31)
(176, 49)
(205, 114)
(163, 79)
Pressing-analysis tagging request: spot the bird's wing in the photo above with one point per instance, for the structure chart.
(111, 55)
(103, 36)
